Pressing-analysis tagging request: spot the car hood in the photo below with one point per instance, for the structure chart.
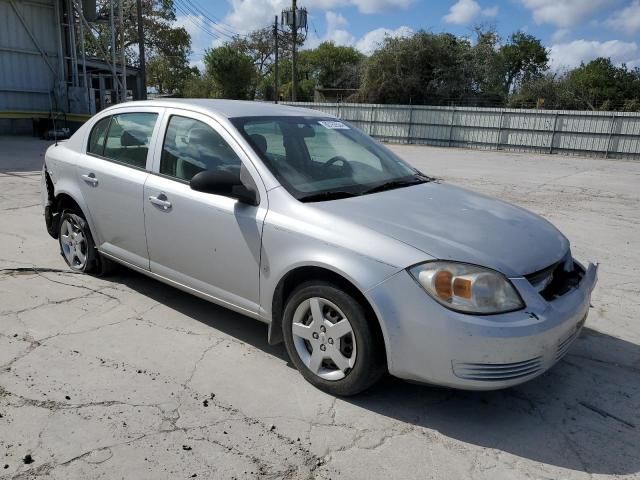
(451, 223)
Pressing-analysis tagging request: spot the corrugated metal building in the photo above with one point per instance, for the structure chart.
(43, 74)
(31, 60)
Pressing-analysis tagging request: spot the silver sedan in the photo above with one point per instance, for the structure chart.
(360, 263)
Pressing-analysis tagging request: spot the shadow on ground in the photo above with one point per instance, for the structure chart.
(583, 415)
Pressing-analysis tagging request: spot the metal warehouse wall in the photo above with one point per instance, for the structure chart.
(601, 134)
(27, 78)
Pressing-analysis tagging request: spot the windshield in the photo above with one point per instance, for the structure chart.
(322, 159)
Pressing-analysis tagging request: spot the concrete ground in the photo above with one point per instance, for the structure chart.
(124, 377)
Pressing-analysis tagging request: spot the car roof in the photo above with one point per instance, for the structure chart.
(227, 108)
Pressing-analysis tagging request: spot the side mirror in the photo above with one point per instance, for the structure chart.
(225, 184)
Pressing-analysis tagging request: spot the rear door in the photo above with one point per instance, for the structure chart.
(207, 242)
(114, 169)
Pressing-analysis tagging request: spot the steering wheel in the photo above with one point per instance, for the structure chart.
(346, 166)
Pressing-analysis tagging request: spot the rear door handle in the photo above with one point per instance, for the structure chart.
(160, 201)
(90, 179)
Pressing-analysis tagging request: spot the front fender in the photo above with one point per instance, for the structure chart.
(284, 251)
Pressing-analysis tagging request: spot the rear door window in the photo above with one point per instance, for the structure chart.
(129, 137)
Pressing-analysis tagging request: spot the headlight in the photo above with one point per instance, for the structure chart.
(467, 288)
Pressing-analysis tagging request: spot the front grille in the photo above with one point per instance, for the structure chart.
(556, 280)
(496, 372)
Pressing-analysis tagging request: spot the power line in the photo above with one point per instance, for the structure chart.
(213, 30)
(198, 25)
(215, 21)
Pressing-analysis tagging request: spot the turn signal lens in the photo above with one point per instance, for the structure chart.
(443, 282)
(467, 288)
(462, 287)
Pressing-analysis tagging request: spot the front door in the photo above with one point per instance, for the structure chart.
(112, 175)
(207, 242)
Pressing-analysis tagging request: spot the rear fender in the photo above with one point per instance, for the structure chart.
(66, 187)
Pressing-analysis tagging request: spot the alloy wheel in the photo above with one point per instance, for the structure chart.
(74, 244)
(323, 338)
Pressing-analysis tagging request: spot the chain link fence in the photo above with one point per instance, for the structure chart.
(569, 132)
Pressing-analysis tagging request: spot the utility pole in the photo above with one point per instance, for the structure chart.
(85, 84)
(113, 51)
(294, 31)
(275, 40)
(143, 65)
(124, 58)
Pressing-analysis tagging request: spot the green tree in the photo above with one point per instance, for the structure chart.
(259, 47)
(597, 85)
(167, 47)
(168, 75)
(423, 68)
(550, 91)
(162, 37)
(602, 85)
(332, 66)
(521, 59)
(231, 70)
(200, 86)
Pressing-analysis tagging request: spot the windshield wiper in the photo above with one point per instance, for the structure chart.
(326, 196)
(391, 184)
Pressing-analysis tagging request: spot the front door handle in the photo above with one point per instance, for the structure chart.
(160, 201)
(90, 179)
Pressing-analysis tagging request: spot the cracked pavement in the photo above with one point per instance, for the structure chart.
(124, 377)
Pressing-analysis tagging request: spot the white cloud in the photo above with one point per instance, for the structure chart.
(247, 15)
(563, 13)
(377, 6)
(560, 34)
(364, 6)
(491, 11)
(335, 31)
(569, 55)
(373, 39)
(338, 33)
(191, 23)
(195, 25)
(627, 19)
(464, 12)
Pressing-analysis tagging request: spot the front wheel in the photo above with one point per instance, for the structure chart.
(331, 341)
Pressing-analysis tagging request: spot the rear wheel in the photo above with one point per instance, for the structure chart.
(77, 246)
(331, 341)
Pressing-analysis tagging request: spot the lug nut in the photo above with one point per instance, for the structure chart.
(315, 335)
(322, 329)
(331, 341)
(322, 347)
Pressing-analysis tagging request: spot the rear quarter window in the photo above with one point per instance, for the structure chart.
(98, 136)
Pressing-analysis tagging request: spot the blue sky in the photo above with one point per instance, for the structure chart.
(573, 30)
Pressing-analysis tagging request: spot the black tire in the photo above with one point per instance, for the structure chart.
(370, 362)
(95, 263)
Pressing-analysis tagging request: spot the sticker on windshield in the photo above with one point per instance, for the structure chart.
(333, 125)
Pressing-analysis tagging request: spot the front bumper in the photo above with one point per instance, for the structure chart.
(426, 342)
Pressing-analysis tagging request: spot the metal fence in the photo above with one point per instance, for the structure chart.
(599, 134)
